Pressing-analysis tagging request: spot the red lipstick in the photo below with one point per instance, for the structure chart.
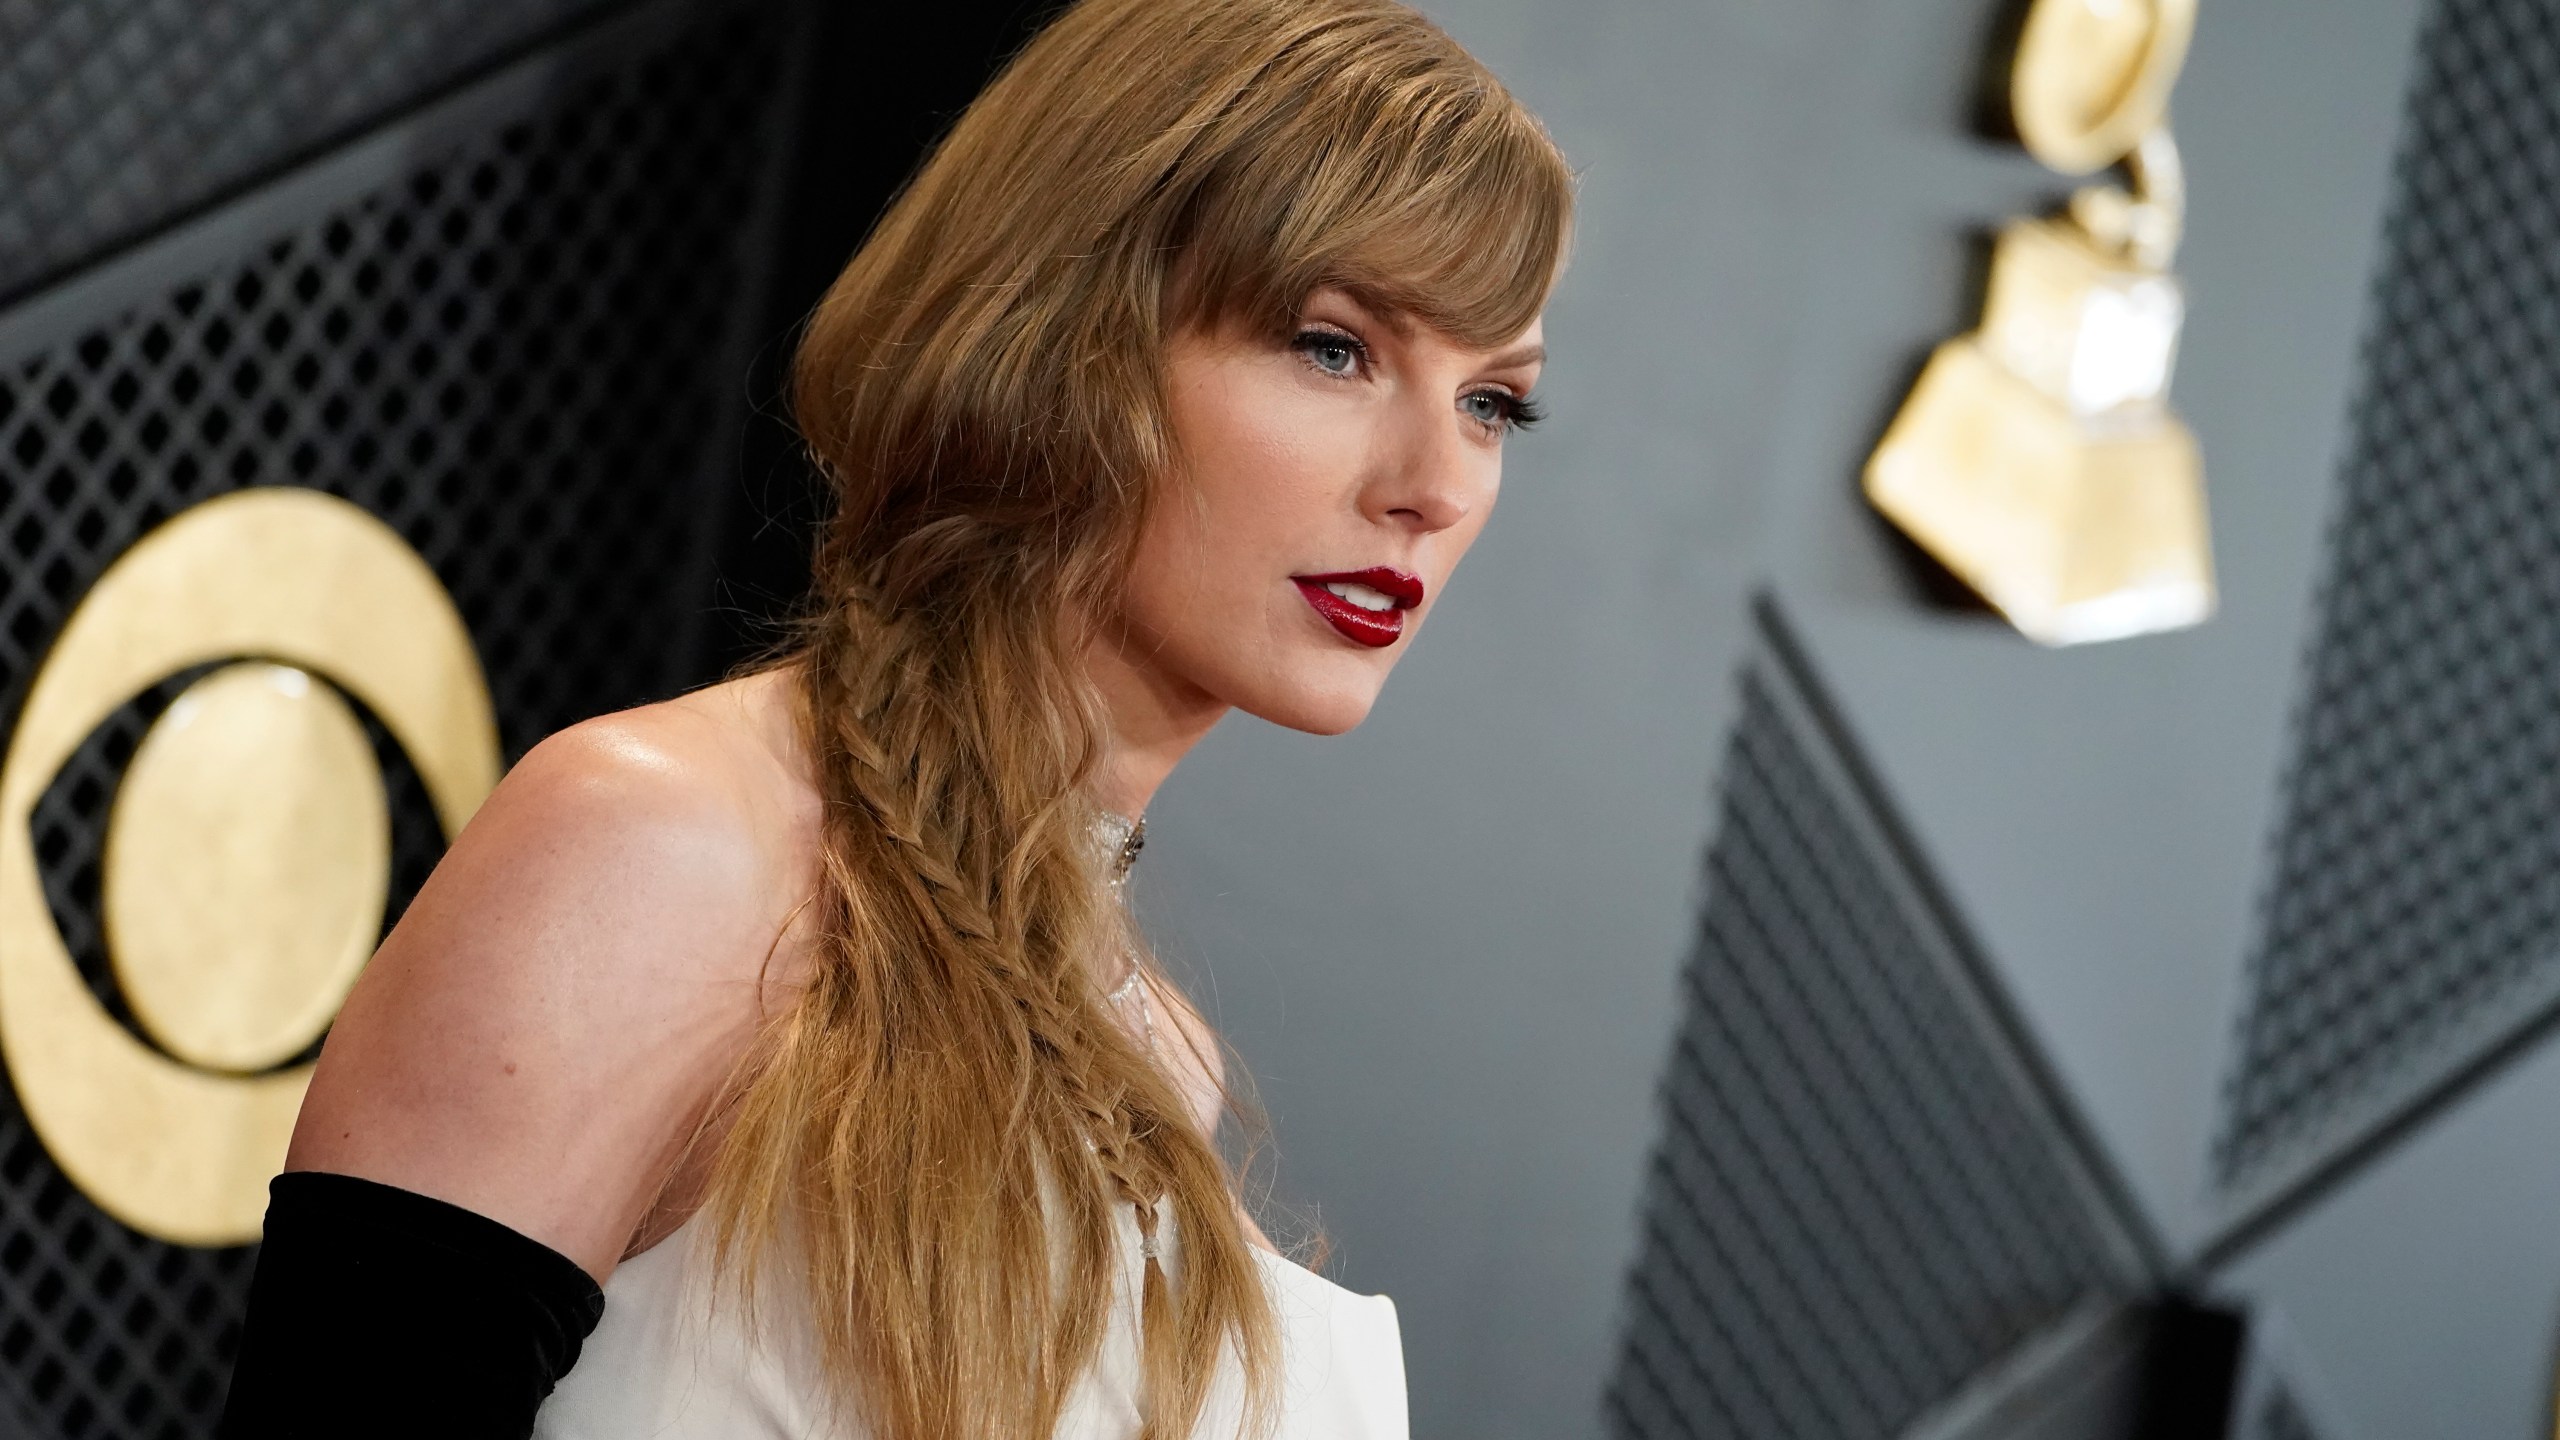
(1340, 598)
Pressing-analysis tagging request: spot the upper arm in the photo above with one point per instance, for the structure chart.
(541, 1032)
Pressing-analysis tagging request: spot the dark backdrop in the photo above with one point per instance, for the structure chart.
(517, 277)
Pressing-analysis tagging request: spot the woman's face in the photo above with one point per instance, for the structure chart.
(1329, 481)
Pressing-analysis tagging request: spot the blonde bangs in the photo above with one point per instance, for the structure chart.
(1377, 157)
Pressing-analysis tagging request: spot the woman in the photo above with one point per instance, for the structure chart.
(801, 1014)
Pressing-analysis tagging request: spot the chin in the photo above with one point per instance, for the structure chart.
(1326, 707)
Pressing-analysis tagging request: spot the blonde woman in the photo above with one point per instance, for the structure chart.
(794, 1027)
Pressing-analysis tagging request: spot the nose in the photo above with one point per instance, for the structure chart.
(1431, 476)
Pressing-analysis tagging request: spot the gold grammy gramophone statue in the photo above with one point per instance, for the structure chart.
(2037, 457)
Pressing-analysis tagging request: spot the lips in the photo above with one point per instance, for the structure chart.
(1365, 607)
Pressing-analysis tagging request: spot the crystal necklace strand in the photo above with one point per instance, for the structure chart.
(1122, 840)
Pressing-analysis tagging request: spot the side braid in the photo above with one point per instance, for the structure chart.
(1057, 1007)
(967, 954)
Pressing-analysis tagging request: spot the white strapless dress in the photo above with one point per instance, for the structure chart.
(669, 1364)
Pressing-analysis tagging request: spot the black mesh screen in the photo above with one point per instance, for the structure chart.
(522, 342)
(117, 114)
(1861, 1197)
(2412, 925)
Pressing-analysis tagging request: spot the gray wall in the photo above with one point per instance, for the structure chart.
(2099, 813)
(1447, 944)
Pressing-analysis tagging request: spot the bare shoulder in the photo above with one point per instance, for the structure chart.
(1193, 1053)
(540, 1034)
(713, 774)
(1198, 1060)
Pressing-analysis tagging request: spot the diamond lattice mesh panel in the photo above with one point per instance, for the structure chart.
(116, 114)
(523, 353)
(1854, 1207)
(2412, 924)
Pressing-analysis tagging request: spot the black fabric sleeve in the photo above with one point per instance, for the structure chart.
(377, 1311)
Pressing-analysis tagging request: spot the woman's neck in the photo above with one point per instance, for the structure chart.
(1154, 720)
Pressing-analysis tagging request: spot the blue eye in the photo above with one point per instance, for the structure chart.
(1499, 409)
(1330, 351)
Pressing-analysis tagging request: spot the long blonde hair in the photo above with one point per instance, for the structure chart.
(941, 1133)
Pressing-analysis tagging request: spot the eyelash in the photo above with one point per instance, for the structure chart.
(1519, 412)
(1312, 338)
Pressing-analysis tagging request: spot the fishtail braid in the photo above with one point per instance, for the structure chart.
(959, 941)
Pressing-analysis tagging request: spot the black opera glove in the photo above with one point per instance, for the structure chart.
(377, 1311)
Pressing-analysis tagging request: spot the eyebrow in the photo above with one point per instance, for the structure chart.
(1524, 355)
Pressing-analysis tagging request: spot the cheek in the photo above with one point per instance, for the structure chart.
(1257, 461)
(1259, 488)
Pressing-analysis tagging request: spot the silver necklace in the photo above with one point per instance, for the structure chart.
(1121, 839)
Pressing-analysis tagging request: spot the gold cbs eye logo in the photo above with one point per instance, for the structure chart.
(248, 847)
